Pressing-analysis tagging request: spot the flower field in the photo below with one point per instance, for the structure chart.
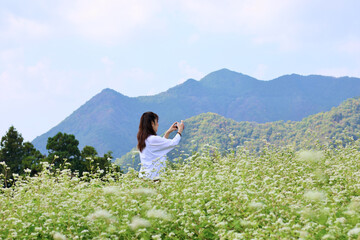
(277, 194)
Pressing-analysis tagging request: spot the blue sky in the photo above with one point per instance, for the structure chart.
(56, 55)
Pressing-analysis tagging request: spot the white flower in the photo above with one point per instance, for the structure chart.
(314, 195)
(350, 212)
(59, 236)
(157, 213)
(256, 205)
(99, 214)
(354, 232)
(138, 222)
(145, 191)
(245, 223)
(111, 190)
(303, 234)
(340, 220)
(156, 237)
(196, 212)
(328, 236)
(354, 205)
(311, 156)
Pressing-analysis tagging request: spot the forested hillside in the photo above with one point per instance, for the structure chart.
(212, 131)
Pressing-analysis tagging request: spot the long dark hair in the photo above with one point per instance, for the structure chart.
(146, 128)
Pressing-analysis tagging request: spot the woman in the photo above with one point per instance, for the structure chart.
(153, 148)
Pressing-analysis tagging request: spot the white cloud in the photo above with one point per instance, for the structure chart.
(36, 96)
(106, 61)
(264, 20)
(260, 71)
(11, 55)
(8, 87)
(108, 64)
(19, 28)
(193, 38)
(338, 72)
(109, 21)
(132, 78)
(188, 71)
(350, 46)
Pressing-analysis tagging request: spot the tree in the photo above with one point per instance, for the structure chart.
(64, 147)
(12, 150)
(88, 152)
(31, 159)
(89, 156)
(18, 155)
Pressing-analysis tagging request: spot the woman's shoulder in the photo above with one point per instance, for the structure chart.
(154, 139)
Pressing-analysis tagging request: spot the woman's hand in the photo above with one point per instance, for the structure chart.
(180, 126)
(172, 128)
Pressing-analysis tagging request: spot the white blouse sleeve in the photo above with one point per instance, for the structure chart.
(163, 145)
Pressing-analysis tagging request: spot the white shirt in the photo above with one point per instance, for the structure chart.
(153, 156)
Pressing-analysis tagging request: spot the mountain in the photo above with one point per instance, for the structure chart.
(109, 120)
(335, 127)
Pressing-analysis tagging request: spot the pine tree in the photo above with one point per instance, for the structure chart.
(64, 147)
(12, 150)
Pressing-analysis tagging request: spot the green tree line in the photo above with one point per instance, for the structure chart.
(20, 157)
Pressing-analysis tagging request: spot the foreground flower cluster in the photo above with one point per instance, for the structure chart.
(279, 194)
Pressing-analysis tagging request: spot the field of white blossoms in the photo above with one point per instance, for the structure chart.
(279, 194)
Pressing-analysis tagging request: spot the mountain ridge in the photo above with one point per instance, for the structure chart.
(109, 120)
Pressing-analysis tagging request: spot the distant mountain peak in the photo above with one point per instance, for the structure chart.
(225, 74)
(110, 92)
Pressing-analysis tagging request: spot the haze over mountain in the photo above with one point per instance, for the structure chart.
(109, 120)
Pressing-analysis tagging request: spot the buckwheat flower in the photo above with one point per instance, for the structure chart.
(14, 234)
(340, 220)
(328, 236)
(59, 236)
(280, 221)
(311, 156)
(3, 163)
(157, 213)
(27, 170)
(111, 229)
(111, 190)
(138, 222)
(303, 234)
(145, 191)
(354, 232)
(350, 212)
(99, 214)
(245, 223)
(256, 205)
(196, 212)
(314, 195)
(354, 205)
(156, 237)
